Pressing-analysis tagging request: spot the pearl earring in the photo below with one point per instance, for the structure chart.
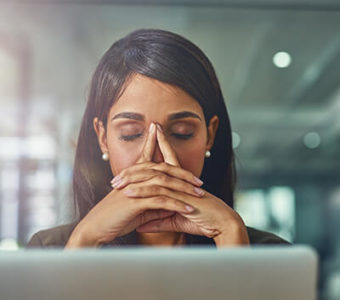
(207, 154)
(105, 156)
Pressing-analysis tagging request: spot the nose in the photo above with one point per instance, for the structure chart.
(157, 155)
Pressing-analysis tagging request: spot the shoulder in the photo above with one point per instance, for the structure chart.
(262, 237)
(53, 237)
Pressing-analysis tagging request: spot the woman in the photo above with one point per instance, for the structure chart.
(155, 123)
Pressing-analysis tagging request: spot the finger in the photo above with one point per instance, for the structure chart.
(162, 202)
(133, 176)
(151, 215)
(138, 173)
(166, 149)
(162, 185)
(149, 145)
(176, 223)
(163, 225)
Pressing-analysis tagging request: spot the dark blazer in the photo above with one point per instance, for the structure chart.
(58, 236)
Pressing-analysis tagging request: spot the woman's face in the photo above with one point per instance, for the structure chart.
(147, 100)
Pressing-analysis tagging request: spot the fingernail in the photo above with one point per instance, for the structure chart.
(152, 128)
(115, 179)
(198, 181)
(159, 128)
(116, 183)
(199, 191)
(189, 208)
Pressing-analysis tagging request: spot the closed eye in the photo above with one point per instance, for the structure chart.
(130, 137)
(182, 136)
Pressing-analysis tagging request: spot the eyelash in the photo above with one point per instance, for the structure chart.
(129, 138)
(182, 136)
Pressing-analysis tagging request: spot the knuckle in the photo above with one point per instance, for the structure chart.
(164, 166)
(188, 176)
(185, 173)
(153, 189)
(140, 165)
(160, 200)
(149, 164)
(162, 178)
(178, 203)
(153, 173)
(188, 187)
(126, 177)
(123, 173)
(136, 190)
(140, 190)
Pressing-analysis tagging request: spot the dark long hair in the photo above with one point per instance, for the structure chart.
(169, 58)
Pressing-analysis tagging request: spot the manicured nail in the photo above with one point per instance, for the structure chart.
(129, 192)
(198, 191)
(115, 179)
(198, 181)
(116, 183)
(152, 128)
(189, 208)
(159, 128)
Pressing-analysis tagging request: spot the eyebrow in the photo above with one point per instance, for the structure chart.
(128, 115)
(183, 114)
(172, 117)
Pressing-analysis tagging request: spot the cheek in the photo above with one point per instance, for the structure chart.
(123, 156)
(191, 157)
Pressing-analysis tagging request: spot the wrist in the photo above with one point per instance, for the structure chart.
(234, 234)
(81, 239)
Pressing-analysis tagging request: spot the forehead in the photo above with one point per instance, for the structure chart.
(154, 99)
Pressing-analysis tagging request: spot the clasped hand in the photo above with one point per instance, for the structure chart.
(158, 197)
(203, 214)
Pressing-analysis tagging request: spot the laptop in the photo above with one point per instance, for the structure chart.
(280, 273)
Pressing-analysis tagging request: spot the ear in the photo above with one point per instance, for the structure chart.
(101, 134)
(212, 129)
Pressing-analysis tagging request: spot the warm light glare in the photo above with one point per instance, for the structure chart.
(39, 147)
(9, 244)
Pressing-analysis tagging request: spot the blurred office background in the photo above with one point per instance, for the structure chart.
(278, 62)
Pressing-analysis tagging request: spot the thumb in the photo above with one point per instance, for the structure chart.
(153, 214)
(168, 152)
(165, 224)
(149, 145)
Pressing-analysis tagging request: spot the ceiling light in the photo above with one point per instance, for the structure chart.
(312, 140)
(282, 59)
